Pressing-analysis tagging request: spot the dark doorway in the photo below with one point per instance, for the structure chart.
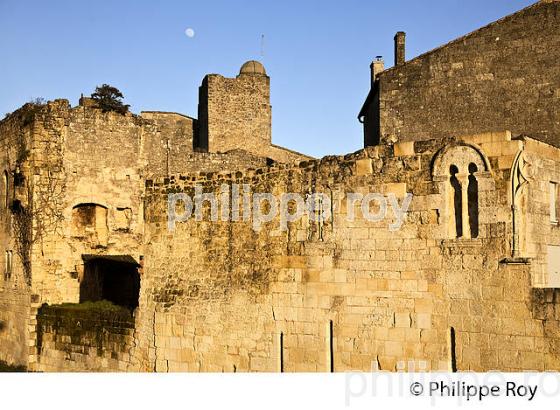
(112, 278)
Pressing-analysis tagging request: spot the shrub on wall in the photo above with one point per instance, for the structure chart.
(109, 98)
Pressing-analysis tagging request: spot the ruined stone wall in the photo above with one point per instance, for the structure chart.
(73, 161)
(83, 156)
(70, 339)
(236, 113)
(219, 296)
(285, 155)
(14, 324)
(15, 292)
(503, 76)
(167, 142)
(217, 162)
(168, 148)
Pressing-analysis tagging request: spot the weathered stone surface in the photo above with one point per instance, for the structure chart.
(392, 297)
(502, 76)
(79, 175)
(346, 293)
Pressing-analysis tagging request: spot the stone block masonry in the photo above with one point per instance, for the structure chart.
(216, 296)
(345, 294)
(468, 281)
(71, 187)
(237, 111)
(502, 76)
(81, 339)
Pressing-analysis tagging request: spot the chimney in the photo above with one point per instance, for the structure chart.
(376, 67)
(400, 39)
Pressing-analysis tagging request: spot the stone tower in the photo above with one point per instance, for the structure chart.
(235, 113)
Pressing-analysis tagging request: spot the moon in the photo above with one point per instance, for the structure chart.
(189, 32)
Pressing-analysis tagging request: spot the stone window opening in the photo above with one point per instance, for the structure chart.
(460, 171)
(457, 200)
(18, 177)
(114, 278)
(521, 175)
(465, 201)
(89, 220)
(123, 219)
(472, 200)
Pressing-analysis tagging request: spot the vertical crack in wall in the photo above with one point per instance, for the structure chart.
(155, 344)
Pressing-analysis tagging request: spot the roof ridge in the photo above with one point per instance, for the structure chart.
(471, 33)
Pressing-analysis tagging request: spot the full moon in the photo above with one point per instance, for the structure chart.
(189, 32)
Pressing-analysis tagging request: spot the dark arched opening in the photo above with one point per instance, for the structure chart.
(473, 200)
(457, 200)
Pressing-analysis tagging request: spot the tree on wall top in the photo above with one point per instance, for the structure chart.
(109, 98)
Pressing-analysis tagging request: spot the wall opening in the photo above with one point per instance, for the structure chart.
(452, 350)
(88, 217)
(112, 278)
(330, 348)
(460, 170)
(472, 194)
(123, 219)
(457, 200)
(90, 221)
(281, 352)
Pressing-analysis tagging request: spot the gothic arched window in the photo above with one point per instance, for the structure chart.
(458, 168)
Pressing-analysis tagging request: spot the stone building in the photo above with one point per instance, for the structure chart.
(502, 76)
(73, 181)
(468, 281)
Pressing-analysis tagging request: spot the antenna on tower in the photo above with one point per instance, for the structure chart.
(262, 45)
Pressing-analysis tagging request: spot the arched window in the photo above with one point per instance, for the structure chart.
(472, 194)
(457, 169)
(457, 200)
(90, 220)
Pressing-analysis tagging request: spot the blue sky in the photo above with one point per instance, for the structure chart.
(317, 53)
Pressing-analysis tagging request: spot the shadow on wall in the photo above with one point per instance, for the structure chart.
(6, 368)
